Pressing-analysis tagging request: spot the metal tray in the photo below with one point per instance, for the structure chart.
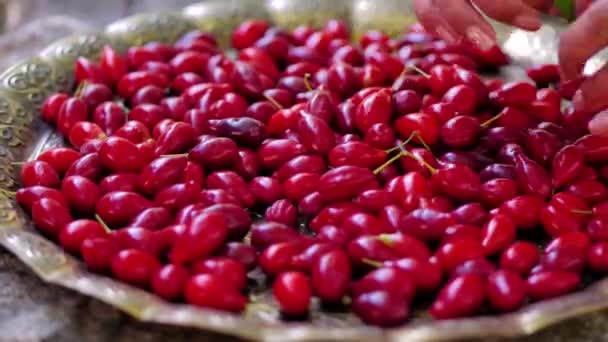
(24, 86)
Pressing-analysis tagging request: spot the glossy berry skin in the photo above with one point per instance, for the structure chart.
(520, 257)
(169, 281)
(202, 237)
(425, 124)
(37, 172)
(72, 111)
(282, 211)
(241, 252)
(120, 155)
(74, 233)
(60, 158)
(50, 216)
(506, 290)
(293, 291)
(462, 296)
(458, 182)
(50, 108)
(427, 275)
(597, 257)
(118, 208)
(135, 267)
(331, 276)
(81, 194)
(98, 253)
(213, 292)
(393, 280)
(277, 257)
(26, 197)
(381, 308)
(455, 253)
(551, 284)
(498, 233)
(226, 268)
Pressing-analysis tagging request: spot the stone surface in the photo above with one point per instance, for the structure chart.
(31, 310)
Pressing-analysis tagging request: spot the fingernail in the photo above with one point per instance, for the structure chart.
(531, 22)
(480, 38)
(578, 101)
(599, 124)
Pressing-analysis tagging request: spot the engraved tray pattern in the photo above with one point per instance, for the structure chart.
(24, 86)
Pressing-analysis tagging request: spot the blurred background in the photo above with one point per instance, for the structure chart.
(27, 26)
(98, 12)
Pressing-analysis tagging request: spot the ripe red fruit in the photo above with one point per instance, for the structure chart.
(134, 267)
(506, 290)
(462, 296)
(213, 292)
(169, 281)
(293, 292)
(74, 233)
(331, 275)
(202, 237)
(50, 216)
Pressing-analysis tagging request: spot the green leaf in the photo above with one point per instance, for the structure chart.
(566, 8)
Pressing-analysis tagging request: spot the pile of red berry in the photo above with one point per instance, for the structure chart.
(415, 178)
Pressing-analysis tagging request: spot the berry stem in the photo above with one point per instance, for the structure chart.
(273, 101)
(80, 88)
(420, 71)
(387, 163)
(488, 122)
(582, 212)
(402, 144)
(420, 160)
(179, 155)
(307, 82)
(421, 141)
(385, 239)
(103, 224)
(372, 263)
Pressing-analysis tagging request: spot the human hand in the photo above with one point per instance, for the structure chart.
(453, 20)
(581, 41)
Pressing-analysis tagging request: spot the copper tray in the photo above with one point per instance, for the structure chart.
(24, 86)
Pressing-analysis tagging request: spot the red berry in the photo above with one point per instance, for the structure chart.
(293, 292)
(135, 267)
(169, 281)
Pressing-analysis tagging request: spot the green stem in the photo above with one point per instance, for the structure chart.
(273, 101)
(420, 71)
(103, 224)
(385, 239)
(307, 82)
(421, 141)
(372, 263)
(179, 155)
(387, 163)
(566, 8)
(402, 144)
(488, 122)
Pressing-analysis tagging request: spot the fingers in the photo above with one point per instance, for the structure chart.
(456, 18)
(591, 96)
(434, 22)
(599, 124)
(581, 6)
(515, 13)
(583, 39)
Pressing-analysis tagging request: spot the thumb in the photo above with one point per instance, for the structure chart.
(599, 124)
